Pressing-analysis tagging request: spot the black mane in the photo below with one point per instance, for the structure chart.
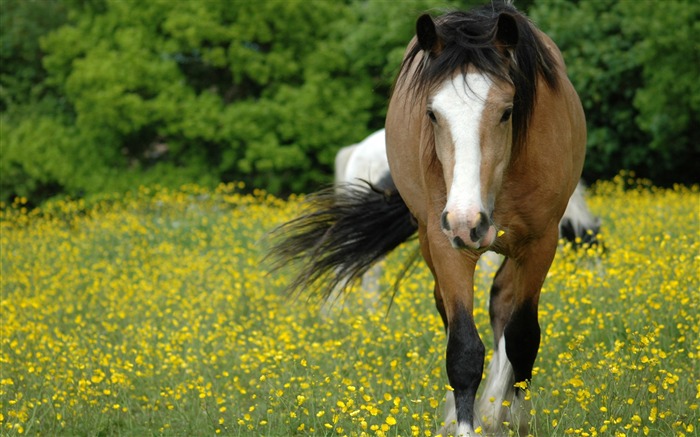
(469, 39)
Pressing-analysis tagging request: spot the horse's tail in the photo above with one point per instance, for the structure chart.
(346, 230)
(579, 225)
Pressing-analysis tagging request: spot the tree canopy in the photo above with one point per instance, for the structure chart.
(105, 95)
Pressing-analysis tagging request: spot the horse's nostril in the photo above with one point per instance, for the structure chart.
(480, 228)
(444, 222)
(474, 234)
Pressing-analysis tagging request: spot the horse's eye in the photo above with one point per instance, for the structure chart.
(431, 116)
(506, 115)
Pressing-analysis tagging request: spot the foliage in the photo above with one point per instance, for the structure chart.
(635, 66)
(22, 23)
(25, 93)
(259, 91)
(107, 95)
(150, 314)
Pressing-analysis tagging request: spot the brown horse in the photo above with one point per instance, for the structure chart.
(486, 136)
(486, 140)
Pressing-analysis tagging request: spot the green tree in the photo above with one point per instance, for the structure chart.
(22, 23)
(105, 95)
(635, 66)
(25, 95)
(175, 92)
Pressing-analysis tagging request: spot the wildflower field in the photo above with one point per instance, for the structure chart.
(153, 314)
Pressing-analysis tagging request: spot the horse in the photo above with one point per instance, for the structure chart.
(485, 139)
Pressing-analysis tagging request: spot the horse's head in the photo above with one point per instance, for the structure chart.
(476, 76)
(471, 119)
(470, 111)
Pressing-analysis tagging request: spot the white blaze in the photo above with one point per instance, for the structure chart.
(461, 105)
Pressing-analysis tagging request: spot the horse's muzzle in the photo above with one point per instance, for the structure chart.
(465, 232)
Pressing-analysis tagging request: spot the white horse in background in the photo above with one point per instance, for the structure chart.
(366, 162)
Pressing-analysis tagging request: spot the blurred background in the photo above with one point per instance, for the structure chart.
(107, 95)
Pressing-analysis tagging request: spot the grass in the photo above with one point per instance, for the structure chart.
(152, 315)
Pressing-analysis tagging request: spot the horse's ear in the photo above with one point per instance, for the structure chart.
(506, 32)
(427, 34)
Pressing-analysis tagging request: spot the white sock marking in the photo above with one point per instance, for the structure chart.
(499, 388)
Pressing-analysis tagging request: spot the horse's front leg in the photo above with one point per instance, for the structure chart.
(454, 281)
(513, 309)
(425, 251)
(465, 365)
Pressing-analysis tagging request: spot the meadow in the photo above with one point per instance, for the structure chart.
(153, 314)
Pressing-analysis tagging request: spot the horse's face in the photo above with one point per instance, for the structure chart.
(471, 119)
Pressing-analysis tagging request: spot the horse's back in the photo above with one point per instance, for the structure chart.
(341, 162)
(365, 161)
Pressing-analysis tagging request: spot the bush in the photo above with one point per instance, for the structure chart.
(22, 22)
(637, 81)
(122, 93)
(262, 92)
